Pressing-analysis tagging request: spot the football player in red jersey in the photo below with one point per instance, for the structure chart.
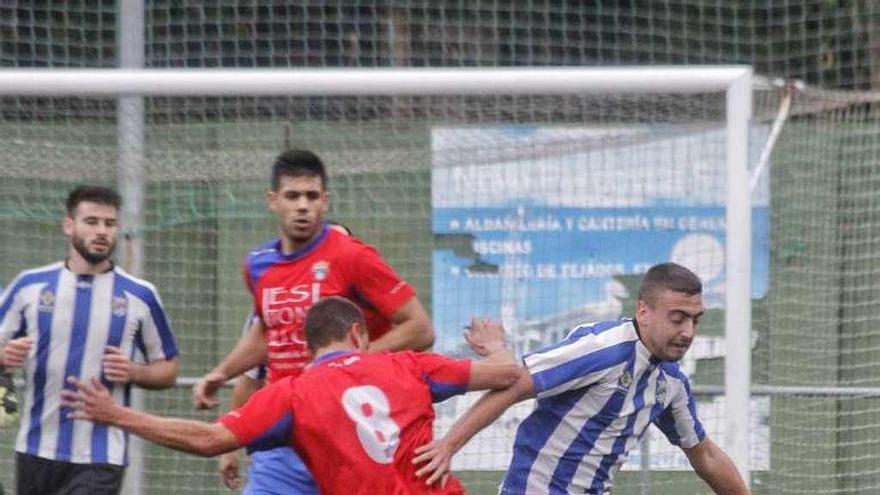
(355, 418)
(286, 276)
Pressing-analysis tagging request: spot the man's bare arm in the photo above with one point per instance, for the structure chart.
(93, 402)
(411, 329)
(227, 464)
(437, 455)
(499, 368)
(716, 468)
(250, 351)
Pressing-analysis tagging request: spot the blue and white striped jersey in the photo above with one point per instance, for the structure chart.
(72, 318)
(597, 390)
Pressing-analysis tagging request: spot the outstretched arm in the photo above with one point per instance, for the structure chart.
(93, 402)
(250, 351)
(499, 369)
(437, 455)
(227, 463)
(716, 468)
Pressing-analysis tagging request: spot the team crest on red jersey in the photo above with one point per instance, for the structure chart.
(320, 270)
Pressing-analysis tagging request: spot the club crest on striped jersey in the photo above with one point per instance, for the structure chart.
(47, 301)
(119, 306)
(320, 270)
(625, 381)
(661, 392)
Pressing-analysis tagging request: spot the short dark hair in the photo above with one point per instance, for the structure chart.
(329, 320)
(297, 163)
(669, 276)
(93, 194)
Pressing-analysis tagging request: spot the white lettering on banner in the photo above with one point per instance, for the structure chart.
(612, 223)
(555, 271)
(541, 223)
(715, 224)
(590, 270)
(503, 247)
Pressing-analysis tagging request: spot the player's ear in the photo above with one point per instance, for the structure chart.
(67, 225)
(271, 197)
(359, 337)
(325, 199)
(642, 310)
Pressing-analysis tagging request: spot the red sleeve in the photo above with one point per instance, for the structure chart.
(377, 282)
(445, 376)
(266, 420)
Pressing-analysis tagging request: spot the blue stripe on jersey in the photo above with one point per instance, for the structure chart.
(114, 338)
(7, 303)
(583, 365)
(595, 328)
(261, 259)
(22, 327)
(278, 435)
(674, 371)
(666, 422)
(441, 391)
(44, 336)
(145, 294)
(579, 332)
(601, 475)
(82, 307)
(533, 433)
(657, 409)
(17, 285)
(591, 430)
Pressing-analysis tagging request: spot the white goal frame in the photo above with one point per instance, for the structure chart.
(735, 81)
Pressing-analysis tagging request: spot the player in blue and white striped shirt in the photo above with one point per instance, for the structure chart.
(83, 317)
(598, 390)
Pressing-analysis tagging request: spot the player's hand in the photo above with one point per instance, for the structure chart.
(90, 401)
(16, 352)
(227, 464)
(117, 366)
(437, 457)
(205, 390)
(485, 336)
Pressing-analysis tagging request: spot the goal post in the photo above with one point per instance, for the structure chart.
(735, 82)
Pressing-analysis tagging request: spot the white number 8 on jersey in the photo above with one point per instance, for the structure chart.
(370, 410)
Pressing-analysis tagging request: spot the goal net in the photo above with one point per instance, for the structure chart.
(541, 210)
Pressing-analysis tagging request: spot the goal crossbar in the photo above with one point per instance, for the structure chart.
(367, 82)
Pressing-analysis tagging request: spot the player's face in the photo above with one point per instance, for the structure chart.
(668, 324)
(92, 231)
(300, 203)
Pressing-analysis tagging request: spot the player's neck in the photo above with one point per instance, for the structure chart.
(290, 246)
(334, 347)
(77, 264)
(639, 331)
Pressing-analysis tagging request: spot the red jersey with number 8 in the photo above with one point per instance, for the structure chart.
(355, 419)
